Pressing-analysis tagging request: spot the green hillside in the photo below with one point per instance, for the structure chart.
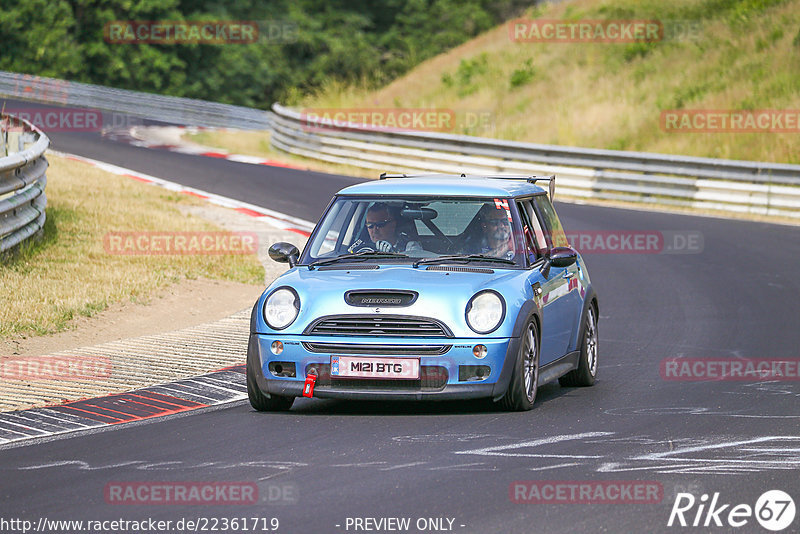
(714, 55)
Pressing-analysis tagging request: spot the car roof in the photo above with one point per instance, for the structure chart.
(445, 185)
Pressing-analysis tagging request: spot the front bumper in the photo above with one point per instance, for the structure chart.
(448, 367)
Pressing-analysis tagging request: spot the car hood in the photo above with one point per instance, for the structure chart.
(443, 295)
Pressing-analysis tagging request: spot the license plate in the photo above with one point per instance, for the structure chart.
(355, 367)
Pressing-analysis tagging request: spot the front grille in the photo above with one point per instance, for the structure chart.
(432, 378)
(378, 325)
(351, 348)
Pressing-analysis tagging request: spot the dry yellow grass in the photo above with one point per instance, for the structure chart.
(254, 143)
(69, 273)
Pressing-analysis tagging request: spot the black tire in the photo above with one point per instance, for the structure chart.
(586, 372)
(524, 384)
(261, 402)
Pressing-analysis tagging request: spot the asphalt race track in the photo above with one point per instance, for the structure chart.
(451, 466)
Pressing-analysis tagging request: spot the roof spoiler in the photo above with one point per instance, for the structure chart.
(551, 186)
(529, 178)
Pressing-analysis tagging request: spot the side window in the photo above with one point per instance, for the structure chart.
(532, 231)
(535, 238)
(554, 232)
(538, 231)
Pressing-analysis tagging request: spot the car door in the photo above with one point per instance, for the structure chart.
(560, 302)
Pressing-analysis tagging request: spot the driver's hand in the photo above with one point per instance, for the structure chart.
(383, 246)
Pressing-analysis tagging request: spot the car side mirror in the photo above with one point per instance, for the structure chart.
(283, 252)
(558, 257)
(563, 256)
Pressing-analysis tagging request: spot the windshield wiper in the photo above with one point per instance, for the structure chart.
(364, 254)
(465, 258)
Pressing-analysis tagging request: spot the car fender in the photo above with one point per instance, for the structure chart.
(253, 351)
(529, 309)
(254, 317)
(587, 301)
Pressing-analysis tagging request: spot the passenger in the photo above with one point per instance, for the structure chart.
(495, 239)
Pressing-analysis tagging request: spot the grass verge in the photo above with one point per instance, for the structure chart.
(67, 273)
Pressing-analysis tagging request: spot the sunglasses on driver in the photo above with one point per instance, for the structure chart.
(378, 224)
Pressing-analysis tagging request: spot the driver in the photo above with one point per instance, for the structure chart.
(381, 223)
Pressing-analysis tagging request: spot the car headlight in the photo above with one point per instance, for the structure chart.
(485, 311)
(281, 308)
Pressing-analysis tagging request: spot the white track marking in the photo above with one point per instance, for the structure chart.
(498, 450)
(402, 466)
(548, 467)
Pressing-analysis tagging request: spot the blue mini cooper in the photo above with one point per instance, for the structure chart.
(427, 287)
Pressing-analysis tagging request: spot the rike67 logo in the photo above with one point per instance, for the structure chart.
(774, 510)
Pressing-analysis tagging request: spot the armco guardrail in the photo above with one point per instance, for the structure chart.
(770, 189)
(729, 185)
(171, 109)
(22, 181)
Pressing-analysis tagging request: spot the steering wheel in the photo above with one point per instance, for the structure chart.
(364, 249)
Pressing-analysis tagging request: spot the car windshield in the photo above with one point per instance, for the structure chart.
(407, 230)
